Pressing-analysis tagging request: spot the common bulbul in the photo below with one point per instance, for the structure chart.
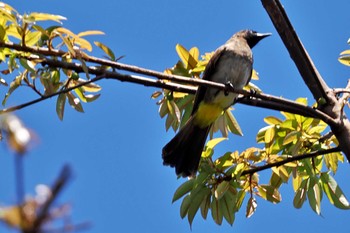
(231, 64)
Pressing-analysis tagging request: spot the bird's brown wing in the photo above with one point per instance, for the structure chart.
(209, 71)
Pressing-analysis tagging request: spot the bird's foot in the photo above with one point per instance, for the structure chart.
(252, 92)
(228, 88)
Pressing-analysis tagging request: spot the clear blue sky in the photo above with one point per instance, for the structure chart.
(114, 147)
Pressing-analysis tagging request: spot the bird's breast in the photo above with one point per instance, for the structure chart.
(234, 69)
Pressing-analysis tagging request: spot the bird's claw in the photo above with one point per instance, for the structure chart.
(228, 88)
(252, 92)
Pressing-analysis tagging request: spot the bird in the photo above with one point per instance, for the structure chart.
(231, 64)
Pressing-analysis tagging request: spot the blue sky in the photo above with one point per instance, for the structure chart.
(114, 148)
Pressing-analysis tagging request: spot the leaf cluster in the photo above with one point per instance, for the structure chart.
(225, 182)
(59, 44)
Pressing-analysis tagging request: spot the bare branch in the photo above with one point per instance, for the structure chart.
(298, 53)
(340, 125)
(56, 188)
(256, 99)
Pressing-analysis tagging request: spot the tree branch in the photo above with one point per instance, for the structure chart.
(298, 53)
(291, 159)
(340, 125)
(256, 99)
(56, 188)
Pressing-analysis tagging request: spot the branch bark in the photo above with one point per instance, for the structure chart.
(253, 99)
(332, 107)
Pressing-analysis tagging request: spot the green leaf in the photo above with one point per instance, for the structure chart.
(227, 205)
(183, 189)
(221, 189)
(334, 192)
(269, 193)
(13, 86)
(197, 197)
(74, 102)
(28, 65)
(105, 49)
(216, 212)
(300, 194)
(80, 93)
(275, 180)
(90, 97)
(314, 195)
(205, 205)
(61, 101)
(185, 205)
(163, 109)
(240, 198)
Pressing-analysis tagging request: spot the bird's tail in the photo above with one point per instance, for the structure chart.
(184, 151)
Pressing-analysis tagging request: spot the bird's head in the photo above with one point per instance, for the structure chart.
(252, 37)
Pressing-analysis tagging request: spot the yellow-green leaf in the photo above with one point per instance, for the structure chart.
(44, 16)
(32, 38)
(185, 56)
(345, 60)
(269, 193)
(271, 120)
(90, 32)
(221, 189)
(212, 143)
(300, 195)
(255, 75)
(251, 207)
(91, 87)
(90, 97)
(314, 195)
(210, 146)
(232, 123)
(292, 136)
(269, 135)
(105, 49)
(345, 52)
(61, 101)
(334, 192)
(74, 102)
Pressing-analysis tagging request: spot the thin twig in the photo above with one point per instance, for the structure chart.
(291, 159)
(19, 170)
(56, 188)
